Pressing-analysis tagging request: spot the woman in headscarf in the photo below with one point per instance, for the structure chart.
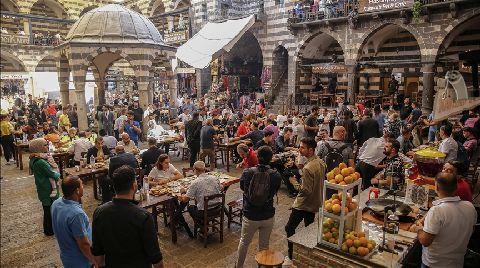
(43, 172)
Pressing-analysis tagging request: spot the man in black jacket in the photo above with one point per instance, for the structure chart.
(256, 217)
(123, 234)
(122, 158)
(192, 135)
(150, 156)
(367, 128)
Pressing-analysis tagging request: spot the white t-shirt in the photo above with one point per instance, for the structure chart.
(163, 175)
(449, 147)
(451, 221)
(183, 117)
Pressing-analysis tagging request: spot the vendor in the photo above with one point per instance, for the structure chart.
(163, 171)
(393, 175)
(445, 240)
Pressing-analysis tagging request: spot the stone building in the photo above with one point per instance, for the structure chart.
(417, 42)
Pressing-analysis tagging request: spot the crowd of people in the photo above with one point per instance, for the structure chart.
(38, 38)
(295, 148)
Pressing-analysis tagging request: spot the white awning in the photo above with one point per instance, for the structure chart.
(209, 42)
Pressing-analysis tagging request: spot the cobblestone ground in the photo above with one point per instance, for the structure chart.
(24, 245)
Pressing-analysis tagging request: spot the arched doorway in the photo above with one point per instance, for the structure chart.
(461, 51)
(240, 70)
(389, 50)
(14, 79)
(320, 70)
(44, 31)
(10, 23)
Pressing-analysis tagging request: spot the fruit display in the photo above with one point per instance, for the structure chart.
(330, 230)
(356, 243)
(334, 204)
(342, 175)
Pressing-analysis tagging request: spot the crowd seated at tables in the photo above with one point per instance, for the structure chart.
(299, 140)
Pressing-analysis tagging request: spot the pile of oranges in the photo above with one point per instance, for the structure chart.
(357, 244)
(342, 175)
(334, 204)
(330, 230)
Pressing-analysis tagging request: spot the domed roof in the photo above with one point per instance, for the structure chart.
(113, 24)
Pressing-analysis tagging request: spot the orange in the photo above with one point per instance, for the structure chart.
(339, 178)
(362, 251)
(342, 183)
(361, 234)
(352, 250)
(332, 240)
(336, 171)
(348, 179)
(328, 207)
(342, 166)
(344, 247)
(340, 196)
(349, 242)
(372, 242)
(351, 170)
(369, 246)
(345, 172)
(336, 201)
(334, 230)
(352, 206)
(356, 243)
(330, 176)
(357, 175)
(363, 241)
(327, 235)
(336, 208)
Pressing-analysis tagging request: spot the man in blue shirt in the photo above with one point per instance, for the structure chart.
(132, 128)
(71, 227)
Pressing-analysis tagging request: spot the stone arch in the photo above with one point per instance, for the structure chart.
(154, 6)
(86, 62)
(355, 51)
(48, 63)
(455, 29)
(307, 38)
(136, 9)
(9, 5)
(11, 58)
(57, 7)
(87, 9)
(174, 4)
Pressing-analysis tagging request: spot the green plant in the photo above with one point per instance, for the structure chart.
(417, 10)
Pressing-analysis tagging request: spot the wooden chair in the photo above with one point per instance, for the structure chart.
(314, 98)
(235, 212)
(269, 258)
(187, 172)
(185, 153)
(213, 216)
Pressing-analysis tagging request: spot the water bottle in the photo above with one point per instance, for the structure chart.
(92, 160)
(25, 140)
(225, 137)
(51, 149)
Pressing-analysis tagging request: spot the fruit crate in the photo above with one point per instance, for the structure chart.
(340, 208)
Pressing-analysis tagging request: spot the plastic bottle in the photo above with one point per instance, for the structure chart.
(225, 137)
(50, 147)
(92, 160)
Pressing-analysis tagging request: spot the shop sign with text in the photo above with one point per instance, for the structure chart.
(176, 37)
(381, 5)
(328, 68)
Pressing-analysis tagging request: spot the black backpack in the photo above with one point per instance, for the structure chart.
(334, 156)
(258, 191)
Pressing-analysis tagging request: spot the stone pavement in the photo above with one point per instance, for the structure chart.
(24, 245)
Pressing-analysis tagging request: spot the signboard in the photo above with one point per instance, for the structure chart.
(14, 76)
(175, 37)
(185, 70)
(15, 39)
(329, 68)
(381, 5)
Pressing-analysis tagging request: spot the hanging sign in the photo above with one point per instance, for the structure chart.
(329, 68)
(381, 5)
(185, 70)
(175, 37)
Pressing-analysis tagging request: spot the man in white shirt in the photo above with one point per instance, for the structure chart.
(369, 157)
(185, 116)
(79, 146)
(447, 227)
(128, 144)
(119, 122)
(448, 145)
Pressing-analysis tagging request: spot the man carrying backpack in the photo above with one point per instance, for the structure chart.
(336, 151)
(309, 198)
(259, 185)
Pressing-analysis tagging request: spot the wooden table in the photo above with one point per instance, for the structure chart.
(154, 202)
(87, 174)
(62, 158)
(227, 147)
(20, 148)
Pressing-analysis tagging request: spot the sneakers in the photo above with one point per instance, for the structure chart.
(287, 262)
(8, 163)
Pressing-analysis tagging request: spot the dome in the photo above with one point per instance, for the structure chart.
(113, 24)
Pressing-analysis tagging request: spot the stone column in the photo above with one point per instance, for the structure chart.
(63, 80)
(428, 92)
(143, 93)
(352, 75)
(64, 92)
(476, 92)
(99, 94)
(81, 105)
(172, 87)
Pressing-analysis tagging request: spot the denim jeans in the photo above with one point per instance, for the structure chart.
(249, 228)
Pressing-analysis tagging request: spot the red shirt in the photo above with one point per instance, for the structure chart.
(242, 130)
(251, 159)
(463, 190)
(52, 110)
